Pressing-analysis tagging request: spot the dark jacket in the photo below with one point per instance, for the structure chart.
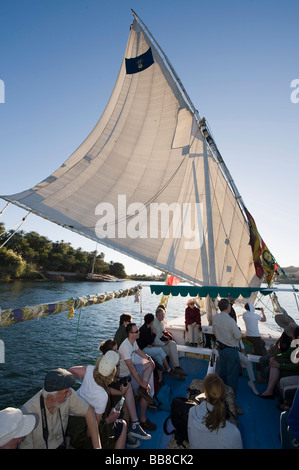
(146, 336)
(192, 315)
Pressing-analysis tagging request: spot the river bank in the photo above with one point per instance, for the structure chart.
(63, 276)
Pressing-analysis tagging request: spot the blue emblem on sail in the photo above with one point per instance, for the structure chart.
(139, 63)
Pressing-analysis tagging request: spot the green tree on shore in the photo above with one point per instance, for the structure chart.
(27, 253)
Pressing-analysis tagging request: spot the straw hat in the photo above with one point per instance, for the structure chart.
(191, 301)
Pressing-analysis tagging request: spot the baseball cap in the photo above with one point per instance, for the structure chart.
(108, 362)
(58, 379)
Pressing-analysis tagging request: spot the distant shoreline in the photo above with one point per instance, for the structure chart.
(62, 276)
(294, 280)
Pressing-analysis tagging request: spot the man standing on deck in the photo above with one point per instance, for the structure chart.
(228, 336)
(253, 335)
(251, 319)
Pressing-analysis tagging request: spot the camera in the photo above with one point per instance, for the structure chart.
(124, 380)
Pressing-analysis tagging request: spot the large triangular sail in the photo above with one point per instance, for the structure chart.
(148, 182)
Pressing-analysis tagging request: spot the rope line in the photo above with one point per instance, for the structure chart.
(23, 220)
(4, 208)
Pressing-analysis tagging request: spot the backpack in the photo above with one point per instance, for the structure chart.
(179, 412)
(163, 398)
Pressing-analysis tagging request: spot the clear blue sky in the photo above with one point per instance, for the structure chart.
(59, 60)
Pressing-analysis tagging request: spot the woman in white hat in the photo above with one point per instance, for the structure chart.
(94, 390)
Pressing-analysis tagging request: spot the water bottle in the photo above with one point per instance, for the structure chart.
(119, 404)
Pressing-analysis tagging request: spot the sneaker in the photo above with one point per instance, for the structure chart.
(180, 371)
(137, 431)
(172, 374)
(252, 386)
(144, 394)
(148, 425)
(132, 442)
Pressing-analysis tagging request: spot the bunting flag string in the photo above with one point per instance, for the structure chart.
(17, 315)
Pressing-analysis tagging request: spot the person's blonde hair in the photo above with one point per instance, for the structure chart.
(100, 379)
(215, 392)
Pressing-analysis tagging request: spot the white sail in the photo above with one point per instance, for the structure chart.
(145, 181)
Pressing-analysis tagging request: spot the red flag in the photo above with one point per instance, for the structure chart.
(173, 281)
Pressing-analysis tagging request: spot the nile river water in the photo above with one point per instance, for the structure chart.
(34, 347)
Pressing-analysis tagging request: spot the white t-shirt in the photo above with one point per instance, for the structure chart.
(200, 437)
(251, 320)
(93, 393)
(126, 351)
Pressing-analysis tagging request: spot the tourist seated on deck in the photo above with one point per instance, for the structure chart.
(208, 426)
(140, 381)
(122, 387)
(168, 345)
(282, 344)
(14, 426)
(147, 335)
(121, 333)
(281, 366)
(55, 402)
(94, 390)
(192, 322)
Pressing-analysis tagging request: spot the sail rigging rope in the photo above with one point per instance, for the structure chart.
(23, 220)
(4, 209)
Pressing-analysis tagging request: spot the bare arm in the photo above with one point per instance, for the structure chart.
(78, 371)
(93, 428)
(135, 374)
(263, 319)
(145, 356)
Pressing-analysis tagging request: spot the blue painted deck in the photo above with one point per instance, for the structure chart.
(259, 425)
